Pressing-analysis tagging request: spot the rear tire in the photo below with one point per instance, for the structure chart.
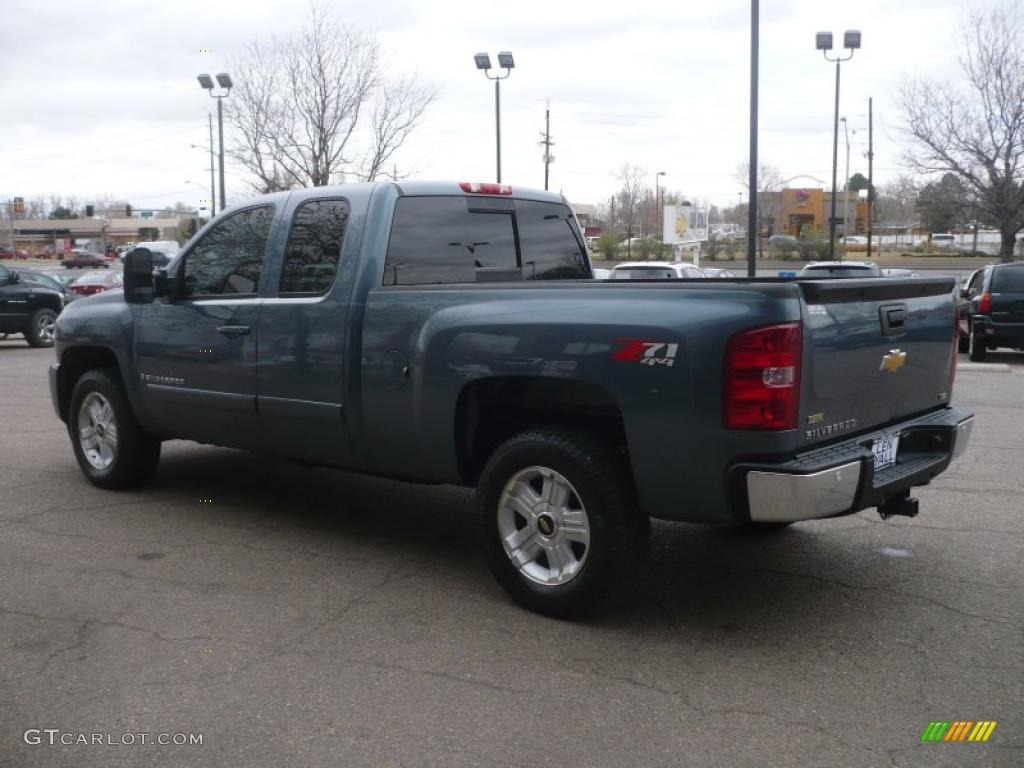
(41, 328)
(963, 343)
(559, 520)
(976, 346)
(111, 447)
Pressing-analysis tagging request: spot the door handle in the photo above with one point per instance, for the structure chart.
(234, 330)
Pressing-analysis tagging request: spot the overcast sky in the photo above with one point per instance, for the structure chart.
(101, 97)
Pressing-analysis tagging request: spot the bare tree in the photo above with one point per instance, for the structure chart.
(629, 196)
(300, 101)
(399, 106)
(976, 130)
(769, 196)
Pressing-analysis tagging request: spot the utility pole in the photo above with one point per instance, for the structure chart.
(871, 171)
(213, 186)
(846, 185)
(547, 143)
(752, 185)
(394, 172)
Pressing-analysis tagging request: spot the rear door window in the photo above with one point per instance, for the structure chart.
(1008, 280)
(441, 240)
(548, 242)
(314, 247)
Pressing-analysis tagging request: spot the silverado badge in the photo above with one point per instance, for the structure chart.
(893, 361)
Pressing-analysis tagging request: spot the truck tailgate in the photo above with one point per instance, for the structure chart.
(875, 351)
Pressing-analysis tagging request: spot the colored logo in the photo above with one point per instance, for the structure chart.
(893, 361)
(958, 730)
(650, 353)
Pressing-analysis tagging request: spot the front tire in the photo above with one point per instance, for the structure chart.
(559, 521)
(976, 346)
(111, 447)
(41, 328)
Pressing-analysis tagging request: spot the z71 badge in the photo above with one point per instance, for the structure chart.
(650, 353)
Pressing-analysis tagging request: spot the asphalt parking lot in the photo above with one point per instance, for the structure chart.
(297, 616)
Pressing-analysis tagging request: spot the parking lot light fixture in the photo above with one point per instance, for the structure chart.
(506, 62)
(823, 43)
(224, 81)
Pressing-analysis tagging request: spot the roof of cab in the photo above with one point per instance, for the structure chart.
(404, 188)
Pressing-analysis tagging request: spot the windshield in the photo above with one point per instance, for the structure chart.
(643, 273)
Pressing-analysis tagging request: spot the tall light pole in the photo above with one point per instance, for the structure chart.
(657, 205)
(823, 43)
(483, 61)
(224, 81)
(846, 184)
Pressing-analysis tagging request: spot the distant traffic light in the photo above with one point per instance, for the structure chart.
(128, 211)
(89, 211)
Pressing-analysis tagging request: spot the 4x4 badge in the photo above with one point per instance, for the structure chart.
(893, 361)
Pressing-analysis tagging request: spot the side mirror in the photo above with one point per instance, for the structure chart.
(138, 276)
(964, 293)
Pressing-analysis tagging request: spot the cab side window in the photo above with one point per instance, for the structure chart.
(228, 260)
(975, 286)
(314, 247)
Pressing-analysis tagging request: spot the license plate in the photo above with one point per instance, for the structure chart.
(885, 451)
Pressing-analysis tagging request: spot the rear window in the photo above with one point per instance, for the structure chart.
(439, 240)
(96, 278)
(548, 242)
(1008, 280)
(839, 271)
(643, 273)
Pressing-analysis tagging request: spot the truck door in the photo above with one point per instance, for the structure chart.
(196, 349)
(302, 331)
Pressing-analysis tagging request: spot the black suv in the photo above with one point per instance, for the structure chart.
(28, 308)
(992, 310)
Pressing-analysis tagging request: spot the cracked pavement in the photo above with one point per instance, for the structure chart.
(318, 618)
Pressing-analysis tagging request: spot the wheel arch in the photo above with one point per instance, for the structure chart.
(77, 361)
(490, 410)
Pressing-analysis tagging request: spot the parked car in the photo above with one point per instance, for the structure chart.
(992, 310)
(28, 308)
(96, 282)
(892, 272)
(601, 274)
(169, 248)
(7, 253)
(577, 410)
(841, 269)
(783, 242)
(655, 270)
(49, 280)
(717, 272)
(83, 259)
(854, 240)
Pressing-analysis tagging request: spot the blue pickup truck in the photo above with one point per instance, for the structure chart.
(454, 333)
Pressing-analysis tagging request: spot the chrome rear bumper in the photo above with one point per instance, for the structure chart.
(805, 489)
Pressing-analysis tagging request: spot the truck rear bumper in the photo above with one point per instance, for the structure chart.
(841, 478)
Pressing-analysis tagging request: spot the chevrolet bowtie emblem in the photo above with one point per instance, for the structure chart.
(893, 361)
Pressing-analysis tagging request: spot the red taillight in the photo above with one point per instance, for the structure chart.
(985, 305)
(486, 188)
(761, 378)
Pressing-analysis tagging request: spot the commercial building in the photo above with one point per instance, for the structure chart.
(44, 236)
(812, 207)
